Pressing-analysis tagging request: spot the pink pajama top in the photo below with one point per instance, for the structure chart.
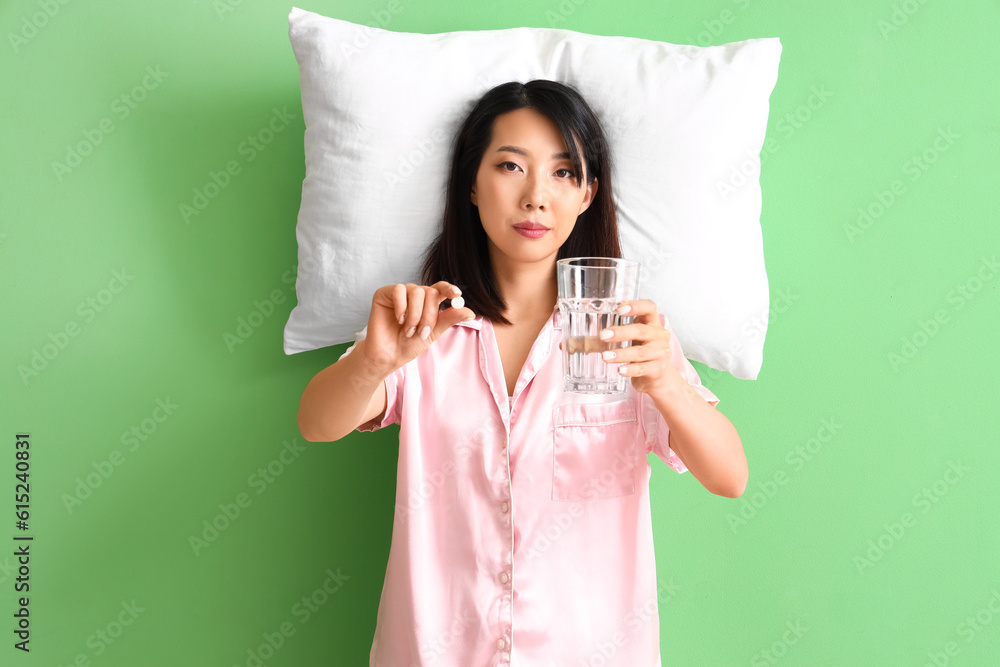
(522, 532)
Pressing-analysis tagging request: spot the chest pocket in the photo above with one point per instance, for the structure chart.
(594, 449)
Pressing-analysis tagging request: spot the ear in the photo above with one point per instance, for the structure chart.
(472, 197)
(588, 198)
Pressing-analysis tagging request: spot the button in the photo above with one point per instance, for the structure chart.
(503, 577)
(503, 507)
(501, 643)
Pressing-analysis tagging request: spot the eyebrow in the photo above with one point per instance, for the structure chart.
(521, 151)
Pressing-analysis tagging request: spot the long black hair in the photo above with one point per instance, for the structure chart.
(460, 254)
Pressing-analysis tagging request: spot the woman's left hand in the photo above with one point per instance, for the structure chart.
(647, 359)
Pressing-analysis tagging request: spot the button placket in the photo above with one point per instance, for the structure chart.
(503, 644)
(497, 388)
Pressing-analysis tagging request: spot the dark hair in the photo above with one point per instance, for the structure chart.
(460, 253)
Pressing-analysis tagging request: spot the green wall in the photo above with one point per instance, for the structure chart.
(868, 534)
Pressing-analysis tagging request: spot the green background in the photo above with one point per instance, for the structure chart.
(861, 535)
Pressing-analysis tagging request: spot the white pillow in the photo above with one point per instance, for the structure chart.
(685, 126)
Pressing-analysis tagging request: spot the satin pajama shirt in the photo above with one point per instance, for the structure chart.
(522, 532)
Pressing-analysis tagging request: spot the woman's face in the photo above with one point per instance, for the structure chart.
(526, 175)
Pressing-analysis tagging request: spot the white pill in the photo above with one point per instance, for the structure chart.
(457, 302)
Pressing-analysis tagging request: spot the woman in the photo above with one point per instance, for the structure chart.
(522, 529)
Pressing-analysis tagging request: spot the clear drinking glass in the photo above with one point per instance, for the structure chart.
(590, 289)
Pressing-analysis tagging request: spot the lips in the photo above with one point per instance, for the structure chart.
(532, 233)
(531, 226)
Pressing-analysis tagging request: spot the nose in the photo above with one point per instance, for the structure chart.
(535, 192)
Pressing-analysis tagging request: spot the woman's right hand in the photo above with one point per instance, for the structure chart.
(386, 345)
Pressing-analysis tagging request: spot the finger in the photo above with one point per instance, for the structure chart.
(634, 368)
(624, 355)
(414, 308)
(640, 310)
(625, 332)
(428, 320)
(631, 369)
(447, 289)
(616, 356)
(399, 301)
(632, 354)
(628, 336)
(449, 316)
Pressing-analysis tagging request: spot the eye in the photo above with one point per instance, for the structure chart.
(502, 165)
(569, 173)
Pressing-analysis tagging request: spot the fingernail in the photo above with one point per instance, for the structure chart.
(606, 334)
(624, 308)
(409, 332)
(608, 354)
(402, 317)
(425, 332)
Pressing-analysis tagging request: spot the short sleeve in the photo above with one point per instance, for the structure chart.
(393, 383)
(654, 425)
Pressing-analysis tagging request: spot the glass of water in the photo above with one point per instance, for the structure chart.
(590, 289)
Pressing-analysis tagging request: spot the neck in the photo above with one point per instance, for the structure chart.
(529, 289)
